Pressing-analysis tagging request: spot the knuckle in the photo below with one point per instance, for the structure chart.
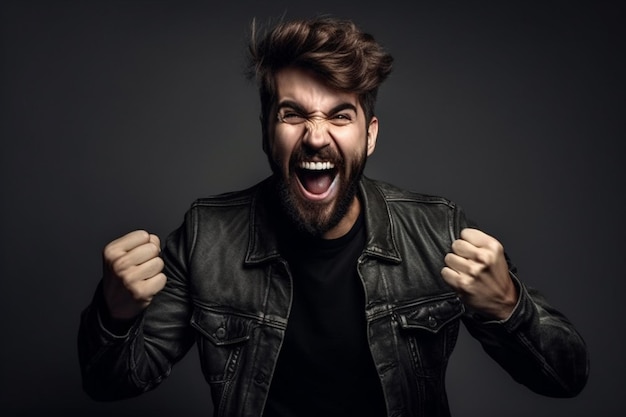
(464, 284)
(487, 257)
(483, 257)
(126, 277)
(480, 257)
(493, 256)
(475, 270)
(499, 249)
(120, 266)
(445, 273)
(496, 246)
(154, 250)
(155, 239)
(162, 280)
(160, 264)
(143, 234)
(110, 252)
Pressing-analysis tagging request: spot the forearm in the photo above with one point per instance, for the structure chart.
(537, 345)
(104, 355)
(123, 362)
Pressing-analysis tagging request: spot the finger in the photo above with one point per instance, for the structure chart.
(135, 257)
(147, 289)
(484, 256)
(464, 249)
(449, 275)
(154, 239)
(453, 278)
(489, 249)
(463, 266)
(145, 271)
(476, 237)
(120, 246)
(456, 263)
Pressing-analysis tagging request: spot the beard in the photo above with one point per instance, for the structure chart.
(312, 217)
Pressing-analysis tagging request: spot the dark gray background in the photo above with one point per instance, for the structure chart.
(116, 115)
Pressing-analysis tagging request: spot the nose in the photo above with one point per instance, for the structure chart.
(316, 134)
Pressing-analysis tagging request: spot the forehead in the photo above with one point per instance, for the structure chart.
(309, 91)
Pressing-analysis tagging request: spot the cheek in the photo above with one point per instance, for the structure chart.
(352, 146)
(281, 149)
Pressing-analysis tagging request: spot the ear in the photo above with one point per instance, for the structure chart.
(372, 134)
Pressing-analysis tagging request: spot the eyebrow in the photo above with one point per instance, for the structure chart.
(297, 107)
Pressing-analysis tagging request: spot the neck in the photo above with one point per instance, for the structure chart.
(346, 223)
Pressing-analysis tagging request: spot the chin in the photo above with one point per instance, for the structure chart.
(311, 217)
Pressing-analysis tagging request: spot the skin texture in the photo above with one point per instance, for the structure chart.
(132, 273)
(477, 269)
(320, 140)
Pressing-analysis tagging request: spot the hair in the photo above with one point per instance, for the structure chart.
(343, 56)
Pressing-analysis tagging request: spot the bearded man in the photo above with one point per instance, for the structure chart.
(319, 291)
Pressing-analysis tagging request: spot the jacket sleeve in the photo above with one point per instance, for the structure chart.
(537, 345)
(118, 365)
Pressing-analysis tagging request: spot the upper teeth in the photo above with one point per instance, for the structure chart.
(318, 166)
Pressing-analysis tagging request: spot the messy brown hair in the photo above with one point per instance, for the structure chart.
(346, 58)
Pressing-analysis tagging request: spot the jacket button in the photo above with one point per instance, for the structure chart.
(260, 378)
(432, 322)
(220, 333)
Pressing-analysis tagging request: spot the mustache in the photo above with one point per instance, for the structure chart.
(302, 154)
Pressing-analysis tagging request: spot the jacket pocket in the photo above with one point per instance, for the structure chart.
(222, 339)
(430, 329)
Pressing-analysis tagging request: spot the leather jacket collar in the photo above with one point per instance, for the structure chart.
(263, 242)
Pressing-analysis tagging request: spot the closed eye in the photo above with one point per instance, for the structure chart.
(341, 119)
(291, 117)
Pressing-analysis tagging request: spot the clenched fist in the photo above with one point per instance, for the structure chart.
(477, 269)
(132, 273)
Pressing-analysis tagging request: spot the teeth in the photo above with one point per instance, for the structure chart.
(317, 166)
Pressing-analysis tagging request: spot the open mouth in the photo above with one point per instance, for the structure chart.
(316, 178)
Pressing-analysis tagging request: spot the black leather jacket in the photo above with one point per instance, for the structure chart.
(229, 291)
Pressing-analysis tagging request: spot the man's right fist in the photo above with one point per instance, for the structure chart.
(132, 273)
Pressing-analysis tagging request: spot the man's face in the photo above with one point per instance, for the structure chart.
(318, 143)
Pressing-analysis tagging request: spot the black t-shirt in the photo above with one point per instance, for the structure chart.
(325, 367)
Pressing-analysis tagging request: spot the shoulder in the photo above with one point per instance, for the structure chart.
(228, 199)
(227, 211)
(233, 201)
(394, 195)
(413, 211)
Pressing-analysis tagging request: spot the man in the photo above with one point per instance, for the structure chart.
(319, 291)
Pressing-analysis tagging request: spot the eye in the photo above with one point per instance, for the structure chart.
(291, 117)
(341, 119)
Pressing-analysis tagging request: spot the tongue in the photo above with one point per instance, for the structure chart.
(316, 182)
